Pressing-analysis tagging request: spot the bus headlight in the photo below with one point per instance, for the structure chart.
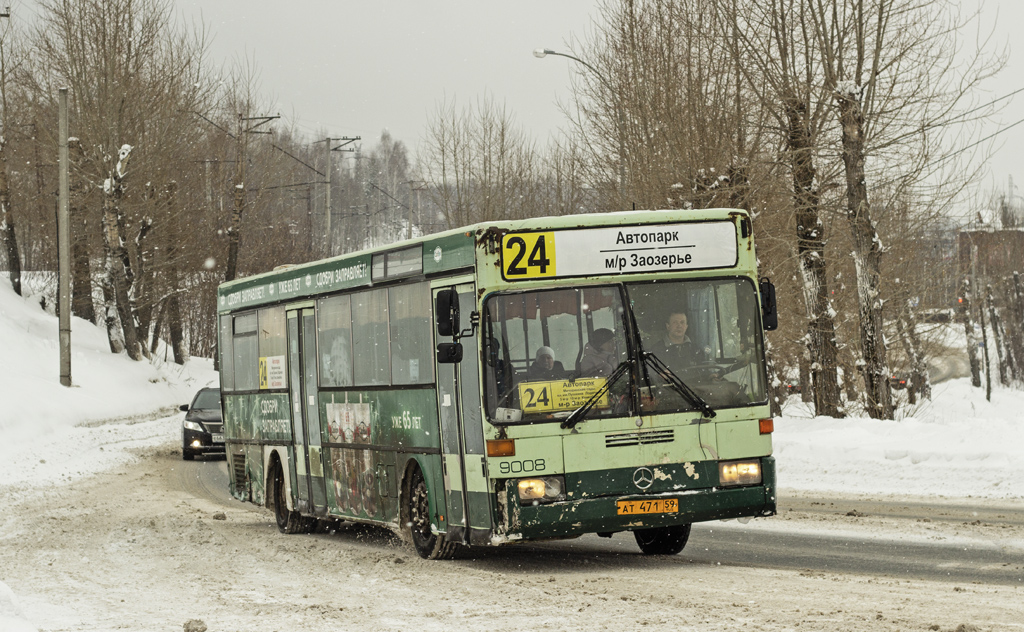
(547, 489)
(731, 473)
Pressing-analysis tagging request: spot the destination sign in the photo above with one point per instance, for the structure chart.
(618, 250)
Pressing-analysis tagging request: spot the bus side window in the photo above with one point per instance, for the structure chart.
(226, 351)
(370, 338)
(412, 359)
(244, 347)
(334, 319)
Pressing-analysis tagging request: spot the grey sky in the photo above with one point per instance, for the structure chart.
(355, 68)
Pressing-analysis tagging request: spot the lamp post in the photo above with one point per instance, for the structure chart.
(541, 53)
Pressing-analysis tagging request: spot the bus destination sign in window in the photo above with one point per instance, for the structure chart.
(618, 250)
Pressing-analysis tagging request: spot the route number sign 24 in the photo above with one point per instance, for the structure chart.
(528, 255)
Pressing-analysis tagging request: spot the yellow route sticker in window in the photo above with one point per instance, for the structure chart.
(550, 396)
(528, 255)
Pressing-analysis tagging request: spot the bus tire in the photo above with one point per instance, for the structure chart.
(429, 545)
(662, 540)
(287, 521)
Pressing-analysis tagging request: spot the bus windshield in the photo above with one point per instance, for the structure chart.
(707, 333)
(547, 352)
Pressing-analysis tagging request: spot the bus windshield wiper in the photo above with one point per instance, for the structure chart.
(680, 386)
(580, 413)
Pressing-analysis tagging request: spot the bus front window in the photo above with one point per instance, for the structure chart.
(706, 332)
(547, 352)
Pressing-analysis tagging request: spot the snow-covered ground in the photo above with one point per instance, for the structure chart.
(959, 445)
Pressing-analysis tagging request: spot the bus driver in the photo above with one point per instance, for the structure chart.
(676, 349)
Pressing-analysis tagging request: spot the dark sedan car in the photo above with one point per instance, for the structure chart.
(202, 431)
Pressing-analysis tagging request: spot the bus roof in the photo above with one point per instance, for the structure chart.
(431, 254)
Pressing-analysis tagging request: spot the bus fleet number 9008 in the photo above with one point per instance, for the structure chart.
(522, 467)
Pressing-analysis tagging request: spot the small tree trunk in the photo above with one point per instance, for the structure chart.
(988, 366)
(174, 324)
(173, 304)
(972, 339)
(158, 324)
(81, 275)
(7, 234)
(997, 336)
(919, 378)
(804, 370)
(143, 303)
(867, 258)
(849, 379)
(1015, 329)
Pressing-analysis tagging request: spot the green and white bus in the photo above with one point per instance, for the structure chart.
(508, 381)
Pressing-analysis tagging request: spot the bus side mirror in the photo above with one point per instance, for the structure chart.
(446, 309)
(449, 353)
(769, 308)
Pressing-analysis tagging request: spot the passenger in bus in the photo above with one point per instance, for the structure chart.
(545, 367)
(599, 354)
(676, 349)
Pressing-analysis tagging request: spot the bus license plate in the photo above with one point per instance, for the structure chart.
(218, 438)
(662, 505)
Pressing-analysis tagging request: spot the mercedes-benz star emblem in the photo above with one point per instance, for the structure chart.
(643, 478)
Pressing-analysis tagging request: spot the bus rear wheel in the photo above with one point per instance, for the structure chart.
(662, 540)
(429, 545)
(287, 521)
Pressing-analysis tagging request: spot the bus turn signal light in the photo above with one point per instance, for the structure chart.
(501, 447)
(767, 426)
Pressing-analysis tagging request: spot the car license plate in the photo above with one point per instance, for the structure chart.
(661, 505)
(218, 438)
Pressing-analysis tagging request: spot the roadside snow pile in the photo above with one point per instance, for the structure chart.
(958, 445)
(11, 618)
(51, 432)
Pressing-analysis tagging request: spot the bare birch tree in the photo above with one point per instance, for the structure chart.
(479, 165)
(888, 66)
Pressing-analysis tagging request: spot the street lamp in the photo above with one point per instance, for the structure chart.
(541, 53)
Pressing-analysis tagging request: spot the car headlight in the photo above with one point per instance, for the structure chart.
(547, 489)
(191, 425)
(731, 473)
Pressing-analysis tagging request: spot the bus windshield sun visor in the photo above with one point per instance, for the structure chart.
(580, 413)
(680, 386)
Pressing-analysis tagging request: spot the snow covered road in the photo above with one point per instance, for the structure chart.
(147, 547)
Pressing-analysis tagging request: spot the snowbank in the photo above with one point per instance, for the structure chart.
(51, 432)
(958, 445)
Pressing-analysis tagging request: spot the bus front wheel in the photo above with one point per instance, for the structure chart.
(662, 540)
(429, 545)
(287, 521)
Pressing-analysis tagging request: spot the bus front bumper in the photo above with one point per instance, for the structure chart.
(572, 518)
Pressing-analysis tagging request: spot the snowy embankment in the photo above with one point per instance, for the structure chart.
(957, 445)
(52, 433)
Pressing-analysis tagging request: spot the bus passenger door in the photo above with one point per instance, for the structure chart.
(462, 446)
(310, 489)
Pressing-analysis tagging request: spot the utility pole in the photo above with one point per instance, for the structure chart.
(417, 186)
(235, 229)
(64, 245)
(328, 235)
